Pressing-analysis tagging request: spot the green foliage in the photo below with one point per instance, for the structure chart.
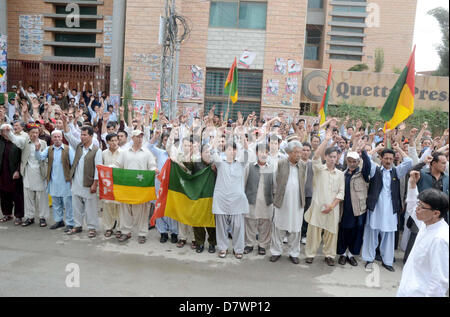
(127, 94)
(379, 59)
(437, 119)
(441, 15)
(358, 68)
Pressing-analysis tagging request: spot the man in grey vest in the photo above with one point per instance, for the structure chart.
(33, 172)
(259, 192)
(84, 177)
(289, 201)
(60, 157)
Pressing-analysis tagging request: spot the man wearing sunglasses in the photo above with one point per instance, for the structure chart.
(426, 270)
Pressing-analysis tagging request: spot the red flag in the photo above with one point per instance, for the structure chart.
(164, 178)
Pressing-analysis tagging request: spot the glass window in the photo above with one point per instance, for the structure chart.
(75, 51)
(349, 9)
(346, 29)
(346, 57)
(80, 38)
(346, 39)
(312, 52)
(252, 15)
(223, 14)
(84, 24)
(313, 36)
(315, 4)
(61, 9)
(348, 19)
(346, 48)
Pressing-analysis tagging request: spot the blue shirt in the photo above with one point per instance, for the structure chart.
(161, 157)
(57, 186)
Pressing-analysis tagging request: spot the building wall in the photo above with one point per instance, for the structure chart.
(285, 38)
(142, 52)
(26, 7)
(226, 44)
(394, 34)
(37, 7)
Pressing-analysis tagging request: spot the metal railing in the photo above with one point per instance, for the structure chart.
(41, 74)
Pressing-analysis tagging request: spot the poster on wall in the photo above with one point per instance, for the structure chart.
(291, 85)
(107, 35)
(30, 34)
(247, 58)
(280, 65)
(294, 67)
(197, 73)
(272, 87)
(3, 63)
(184, 91)
(196, 91)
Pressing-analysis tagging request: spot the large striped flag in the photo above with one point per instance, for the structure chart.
(231, 84)
(126, 186)
(157, 105)
(399, 104)
(323, 110)
(185, 198)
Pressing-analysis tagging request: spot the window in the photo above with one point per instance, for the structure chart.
(357, 9)
(347, 30)
(346, 57)
(346, 48)
(84, 10)
(346, 39)
(348, 19)
(84, 24)
(313, 39)
(249, 90)
(223, 14)
(238, 14)
(315, 4)
(79, 38)
(74, 51)
(252, 15)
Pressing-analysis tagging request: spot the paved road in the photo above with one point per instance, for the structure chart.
(33, 262)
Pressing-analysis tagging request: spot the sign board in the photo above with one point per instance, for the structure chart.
(372, 89)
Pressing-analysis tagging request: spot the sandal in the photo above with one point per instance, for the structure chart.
(42, 223)
(124, 237)
(92, 233)
(6, 218)
(222, 253)
(118, 234)
(141, 239)
(27, 222)
(74, 231)
(18, 221)
(193, 245)
(238, 255)
(181, 243)
(109, 233)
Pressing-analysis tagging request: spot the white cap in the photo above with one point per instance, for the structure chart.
(136, 133)
(353, 155)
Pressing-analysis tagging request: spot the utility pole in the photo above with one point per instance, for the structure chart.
(170, 53)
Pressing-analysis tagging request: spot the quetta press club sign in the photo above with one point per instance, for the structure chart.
(372, 89)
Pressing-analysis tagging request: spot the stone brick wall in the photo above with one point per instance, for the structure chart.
(226, 44)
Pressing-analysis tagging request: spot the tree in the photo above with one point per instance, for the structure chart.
(441, 15)
(358, 68)
(127, 94)
(379, 59)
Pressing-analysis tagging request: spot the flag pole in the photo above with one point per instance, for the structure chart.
(228, 104)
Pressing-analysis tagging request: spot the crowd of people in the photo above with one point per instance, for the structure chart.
(280, 183)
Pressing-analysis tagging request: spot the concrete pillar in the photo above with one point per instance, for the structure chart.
(4, 37)
(3, 17)
(118, 39)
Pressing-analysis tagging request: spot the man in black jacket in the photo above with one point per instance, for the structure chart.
(11, 186)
